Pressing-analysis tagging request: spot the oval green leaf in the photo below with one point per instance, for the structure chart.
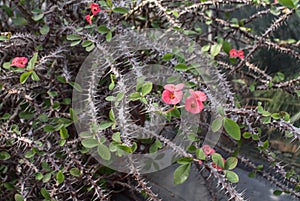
(4, 155)
(75, 172)
(60, 177)
(218, 160)
(89, 143)
(232, 128)
(19, 197)
(216, 124)
(24, 77)
(231, 176)
(182, 173)
(147, 88)
(104, 152)
(231, 163)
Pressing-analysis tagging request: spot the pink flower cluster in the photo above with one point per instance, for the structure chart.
(19, 62)
(209, 151)
(173, 94)
(95, 10)
(236, 53)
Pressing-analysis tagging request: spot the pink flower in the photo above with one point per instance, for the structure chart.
(233, 53)
(89, 19)
(236, 53)
(172, 87)
(218, 167)
(241, 54)
(172, 93)
(95, 8)
(208, 150)
(200, 162)
(19, 62)
(172, 97)
(199, 95)
(193, 103)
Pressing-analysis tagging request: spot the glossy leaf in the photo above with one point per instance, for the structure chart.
(231, 163)
(24, 77)
(182, 173)
(218, 160)
(231, 176)
(232, 128)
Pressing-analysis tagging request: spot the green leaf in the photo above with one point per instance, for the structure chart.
(4, 155)
(63, 133)
(45, 194)
(134, 96)
(47, 177)
(26, 115)
(108, 36)
(104, 152)
(119, 96)
(6, 65)
(110, 98)
(90, 48)
(218, 160)
(232, 128)
(181, 67)
(75, 43)
(231, 176)
(39, 176)
(3, 38)
(182, 173)
(215, 49)
(86, 43)
(34, 76)
(44, 29)
(19, 197)
(167, 57)
(205, 48)
(111, 115)
(147, 88)
(216, 124)
(38, 17)
(103, 29)
(25, 76)
(116, 137)
(275, 116)
(200, 154)
(125, 148)
(120, 10)
(288, 3)
(185, 160)
(89, 143)
(277, 192)
(85, 134)
(75, 172)
(19, 21)
(105, 125)
(60, 177)
(32, 61)
(231, 163)
(29, 154)
(73, 37)
(247, 135)
(226, 46)
(76, 86)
